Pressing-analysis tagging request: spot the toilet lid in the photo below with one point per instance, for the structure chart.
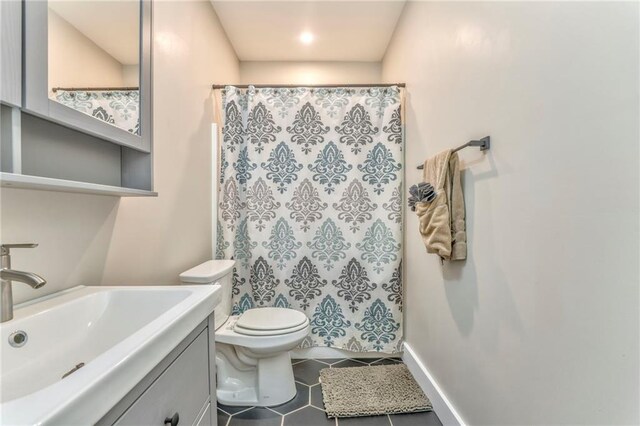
(270, 319)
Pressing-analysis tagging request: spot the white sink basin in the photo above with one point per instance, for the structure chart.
(119, 333)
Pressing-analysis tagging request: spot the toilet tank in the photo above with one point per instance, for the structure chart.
(214, 272)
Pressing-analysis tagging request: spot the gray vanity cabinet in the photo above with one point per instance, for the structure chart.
(11, 52)
(76, 106)
(181, 388)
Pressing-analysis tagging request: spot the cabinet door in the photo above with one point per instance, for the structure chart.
(182, 389)
(72, 80)
(11, 52)
(205, 418)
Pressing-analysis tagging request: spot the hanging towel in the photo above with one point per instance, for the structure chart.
(442, 222)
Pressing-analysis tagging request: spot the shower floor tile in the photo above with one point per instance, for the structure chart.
(307, 409)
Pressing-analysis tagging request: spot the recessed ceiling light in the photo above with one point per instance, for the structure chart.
(306, 37)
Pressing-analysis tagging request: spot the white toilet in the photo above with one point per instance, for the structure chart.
(252, 349)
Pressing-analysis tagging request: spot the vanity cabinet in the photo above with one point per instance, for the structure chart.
(11, 53)
(76, 101)
(180, 389)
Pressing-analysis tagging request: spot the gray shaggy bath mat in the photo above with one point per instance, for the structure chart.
(370, 391)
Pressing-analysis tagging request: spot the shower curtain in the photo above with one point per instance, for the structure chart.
(310, 207)
(118, 107)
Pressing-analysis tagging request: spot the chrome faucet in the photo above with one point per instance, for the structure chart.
(7, 275)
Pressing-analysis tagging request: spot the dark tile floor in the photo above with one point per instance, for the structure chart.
(307, 409)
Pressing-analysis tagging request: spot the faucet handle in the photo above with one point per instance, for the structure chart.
(4, 248)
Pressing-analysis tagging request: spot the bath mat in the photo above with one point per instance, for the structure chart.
(371, 390)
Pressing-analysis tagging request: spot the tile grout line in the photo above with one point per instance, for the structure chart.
(274, 411)
(242, 411)
(295, 411)
(218, 407)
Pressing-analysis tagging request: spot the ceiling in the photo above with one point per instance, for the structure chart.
(343, 30)
(114, 25)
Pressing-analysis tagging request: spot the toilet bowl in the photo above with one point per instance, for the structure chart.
(253, 364)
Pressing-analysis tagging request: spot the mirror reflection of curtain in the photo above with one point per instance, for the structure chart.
(118, 107)
(310, 207)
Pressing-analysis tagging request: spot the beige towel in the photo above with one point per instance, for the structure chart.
(442, 222)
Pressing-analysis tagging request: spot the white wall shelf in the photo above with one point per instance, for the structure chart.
(12, 180)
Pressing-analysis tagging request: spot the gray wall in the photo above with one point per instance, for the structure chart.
(540, 324)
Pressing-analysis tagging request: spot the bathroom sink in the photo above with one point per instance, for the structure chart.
(103, 340)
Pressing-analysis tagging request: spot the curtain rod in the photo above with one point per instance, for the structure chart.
(89, 89)
(313, 86)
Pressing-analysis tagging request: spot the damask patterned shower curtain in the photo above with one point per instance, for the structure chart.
(118, 107)
(311, 209)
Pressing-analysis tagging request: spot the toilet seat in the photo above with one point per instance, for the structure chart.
(230, 334)
(270, 322)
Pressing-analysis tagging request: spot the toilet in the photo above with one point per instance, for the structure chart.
(253, 363)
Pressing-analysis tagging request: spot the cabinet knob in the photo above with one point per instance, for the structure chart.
(173, 421)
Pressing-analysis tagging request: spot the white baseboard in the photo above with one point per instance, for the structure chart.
(441, 405)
